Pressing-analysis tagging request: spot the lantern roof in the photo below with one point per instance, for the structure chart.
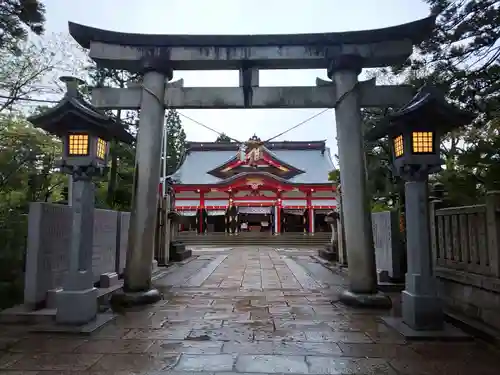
(429, 109)
(74, 113)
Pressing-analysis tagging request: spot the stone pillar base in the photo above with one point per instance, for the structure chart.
(375, 301)
(422, 312)
(128, 299)
(76, 307)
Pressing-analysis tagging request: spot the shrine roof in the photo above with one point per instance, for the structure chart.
(415, 31)
(313, 158)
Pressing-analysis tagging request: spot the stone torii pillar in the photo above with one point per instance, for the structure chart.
(344, 71)
(140, 248)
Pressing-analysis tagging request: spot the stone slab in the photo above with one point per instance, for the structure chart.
(100, 321)
(389, 248)
(448, 333)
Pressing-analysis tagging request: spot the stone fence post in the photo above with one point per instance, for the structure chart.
(434, 205)
(493, 230)
(436, 202)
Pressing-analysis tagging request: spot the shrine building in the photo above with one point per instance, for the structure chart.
(274, 187)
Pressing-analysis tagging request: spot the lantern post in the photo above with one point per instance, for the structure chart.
(85, 134)
(415, 133)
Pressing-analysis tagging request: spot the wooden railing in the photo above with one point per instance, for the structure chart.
(467, 238)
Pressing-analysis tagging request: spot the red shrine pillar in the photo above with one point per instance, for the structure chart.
(277, 215)
(202, 206)
(310, 212)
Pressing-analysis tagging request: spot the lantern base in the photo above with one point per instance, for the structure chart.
(365, 300)
(76, 307)
(124, 299)
(446, 333)
(422, 312)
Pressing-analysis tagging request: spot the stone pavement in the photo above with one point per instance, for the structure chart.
(244, 310)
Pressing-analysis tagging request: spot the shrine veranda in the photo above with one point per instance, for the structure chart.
(283, 188)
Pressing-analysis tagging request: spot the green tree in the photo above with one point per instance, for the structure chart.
(176, 140)
(223, 138)
(16, 18)
(115, 192)
(462, 57)
(27, 166)
(34, 72)
(334, 176)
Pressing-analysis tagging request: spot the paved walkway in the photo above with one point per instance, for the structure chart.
(243, 311)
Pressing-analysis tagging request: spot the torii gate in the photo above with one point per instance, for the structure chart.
(342, 54)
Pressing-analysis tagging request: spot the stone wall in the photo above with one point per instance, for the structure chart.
(389, 248)
(49, 231)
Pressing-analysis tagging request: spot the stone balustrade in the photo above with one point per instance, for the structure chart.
(466, 249)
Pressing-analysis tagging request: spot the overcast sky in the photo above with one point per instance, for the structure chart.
(241, 17)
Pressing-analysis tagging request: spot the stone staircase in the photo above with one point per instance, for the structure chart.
(287, 240)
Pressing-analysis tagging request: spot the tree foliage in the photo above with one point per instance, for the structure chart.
(27, 166)
(176, 140)
(115, 192)
(462, 58)
(462, 55)
(17, 17)
(34, 72)
(223, 138)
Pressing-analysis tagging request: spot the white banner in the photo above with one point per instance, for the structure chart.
(187, 203)
(324, 202)
(216, 212)
(293, 203)
(254, 210)
(187, 213)
(294, 212)
(216, 202)
(322, 211)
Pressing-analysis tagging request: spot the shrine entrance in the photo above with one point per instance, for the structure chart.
(343, 55)
(216, 221)
(255, 219)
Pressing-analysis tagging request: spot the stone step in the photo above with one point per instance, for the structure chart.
(264, 244)
(22, 314)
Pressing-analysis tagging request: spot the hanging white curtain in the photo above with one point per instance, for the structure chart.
(294, 211)
(255, 210)
(187, 213)
(216, 212)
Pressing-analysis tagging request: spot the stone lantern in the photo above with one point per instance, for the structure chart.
(85, 133)
(415, 132)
